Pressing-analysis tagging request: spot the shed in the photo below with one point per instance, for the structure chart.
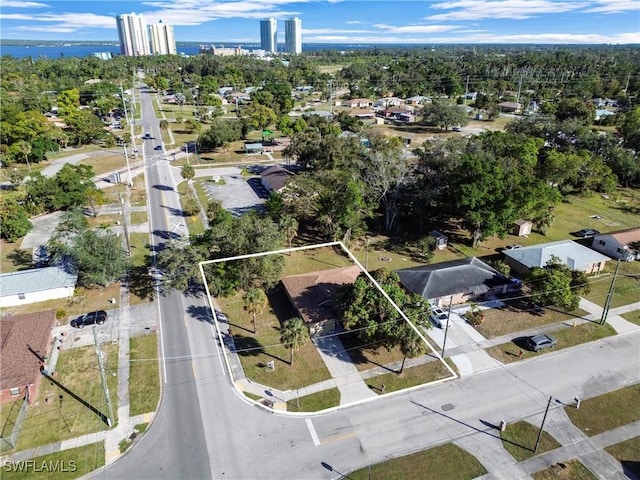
(441, 239)
(253, 148)
(522, 228)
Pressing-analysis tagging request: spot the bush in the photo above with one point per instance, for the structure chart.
(191, 207)
(61, 313)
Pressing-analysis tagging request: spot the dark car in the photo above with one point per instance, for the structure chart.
(587, 232)
(540, 342)
(97, 317)
(158, 147)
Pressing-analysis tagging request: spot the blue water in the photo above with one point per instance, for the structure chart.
(82, 50)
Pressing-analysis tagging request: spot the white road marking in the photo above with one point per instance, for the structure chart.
(312, 431)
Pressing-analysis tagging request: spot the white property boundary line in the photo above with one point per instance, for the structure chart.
(201, 265)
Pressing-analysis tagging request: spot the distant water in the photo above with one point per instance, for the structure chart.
(83, 50)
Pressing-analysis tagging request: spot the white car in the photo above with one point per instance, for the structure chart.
(439, 317)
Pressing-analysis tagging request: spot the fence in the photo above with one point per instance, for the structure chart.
(8, 439)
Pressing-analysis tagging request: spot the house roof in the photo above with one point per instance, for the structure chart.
(24, 338)
(362, 112)
(522, 222)
(35, 280)
(624, 237)
(514, 105)
(276, 176)
(451, 278)
(359, 100)
(570, 253)
(311, 293)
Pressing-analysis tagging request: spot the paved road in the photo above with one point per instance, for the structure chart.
(204, 429)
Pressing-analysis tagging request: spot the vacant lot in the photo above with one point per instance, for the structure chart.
(76, 404)
(608, 411)
(448, 462)
(518, 315)
(107, 163)
(567, 337)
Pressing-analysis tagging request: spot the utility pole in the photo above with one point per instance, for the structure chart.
(129, 121)
(466, 91)
(124, 225)
(105, 386)
(519, 88)
(126, 156)
(535, 449)
(446, 328)
(607, 303)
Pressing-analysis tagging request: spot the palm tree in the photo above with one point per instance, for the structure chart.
(188, 173)
(254, 302)
(164, 125)
(293, 335)
(411, 345)
(289, 226)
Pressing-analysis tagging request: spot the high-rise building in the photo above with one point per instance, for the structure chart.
(163, 42)
(293, 35)
(132, 30)
(268, 35)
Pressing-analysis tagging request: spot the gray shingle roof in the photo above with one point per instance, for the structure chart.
(451, 278)
(570, 253)
(35, 280)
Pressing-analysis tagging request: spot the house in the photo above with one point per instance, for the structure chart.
(389, 102)
(623, 244)
(357, 103)
(457, 281)
(25, 342)
(418, 100)
(362, 114)
(511, 107)
(441, 239)
(36, 285)
(570, 253)
(522, 228)
(274, 178)
(313, 294)
(318, 113)
(254, 147)
(392, 113)
(406, 117)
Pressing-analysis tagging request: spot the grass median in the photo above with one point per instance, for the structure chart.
(519, 439)
(144, 379)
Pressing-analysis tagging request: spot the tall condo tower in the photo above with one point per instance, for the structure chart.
(268, 38)
(132, 30)
(293, 35)
(163, 42)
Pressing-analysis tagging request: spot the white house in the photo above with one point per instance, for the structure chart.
(570, 253)
(36, 285)
(623, 244)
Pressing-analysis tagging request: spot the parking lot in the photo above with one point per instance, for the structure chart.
(237, 194)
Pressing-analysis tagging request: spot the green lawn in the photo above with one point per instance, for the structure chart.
(13, 259)
(56, 415)
(8, 415)
(608, 411)
(316, 401)
(312, 260)
(567, 337)
(410, 377)
(448, 462)
(107, 163)
(571, 470)
(519, 439)
(628, 454)
(64, 465)
(627, 285)
(139, 217)
(144, 379)
(633, 317)
(257, 349)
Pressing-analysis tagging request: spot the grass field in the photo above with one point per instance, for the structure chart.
(628, 454)
(59, 414)
(316, 401)
(627, 285)
(448, 462)
(305, 261)
(139, 217)
(107, 163)
(144, 380)
(608, 411)
(516, 316)
(567, 337)
(571, 470)
(519, 439)
(633, 317)
(64, 465)
(410, 377)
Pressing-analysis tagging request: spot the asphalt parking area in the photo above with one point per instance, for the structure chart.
(237, 194)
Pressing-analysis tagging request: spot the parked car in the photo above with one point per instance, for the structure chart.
(540, 342)
(221, 317)
(97, 317)
(158, 147)
(587, 232)
(439, 317)
(512, 247)
(456, 128)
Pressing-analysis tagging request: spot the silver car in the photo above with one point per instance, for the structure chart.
(540, 342)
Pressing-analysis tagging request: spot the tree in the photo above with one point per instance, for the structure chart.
(164, 124)
(574, 108)
(96, 256)
(83, 126)
(289, 226)
(254, 302)
(294, 334)
(188, 173)
(260, 117)
(179, 266)
(411, 345)
(443, 115)
(556, 284)
(14, 220)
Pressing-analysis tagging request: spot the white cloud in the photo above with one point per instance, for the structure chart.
(71, 21)
(614, 6)
(19, 4)
(327, 31)
(513, 9)
(415, 28)
(353, 22)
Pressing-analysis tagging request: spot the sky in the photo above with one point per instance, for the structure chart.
(337, 21)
